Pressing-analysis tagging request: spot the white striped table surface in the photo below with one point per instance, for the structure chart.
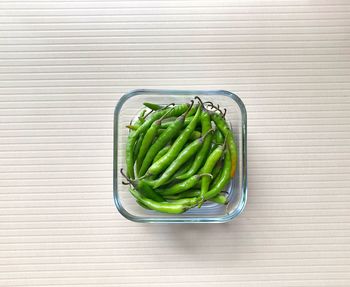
(63, 67)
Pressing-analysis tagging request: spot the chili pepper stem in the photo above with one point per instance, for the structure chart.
(167, 106)
(189, 108)
(208, 102)
(205, 174)
(131, 127)
(130, 181)
(216, 108)
(141, 116)
(205, 135)
(164, 116)
(211, 105)
(201, 103)
(200, 201)
(147, 174)
(146, 115)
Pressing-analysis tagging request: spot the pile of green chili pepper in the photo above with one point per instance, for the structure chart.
(179, 156)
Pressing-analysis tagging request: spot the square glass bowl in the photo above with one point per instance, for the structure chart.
(127, 109)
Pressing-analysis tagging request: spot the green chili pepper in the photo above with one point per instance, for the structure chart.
(193, 110)
(208, 168)
(161, 141)
(166, 207)
(183, 186)
(203, 152)
(216, 179)
(217, 168)
(162, 152)
(227, 133)
(220, 199)
(142, 205)
(167, 124)
(147, 141)
(219, 139)
(138, 145)
(195, 135)
(152, 106)
(224, 177)
(170, 156)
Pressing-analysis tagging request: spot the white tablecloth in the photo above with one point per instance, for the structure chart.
(63, 67)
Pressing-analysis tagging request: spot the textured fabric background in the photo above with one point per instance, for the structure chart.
(63, 67)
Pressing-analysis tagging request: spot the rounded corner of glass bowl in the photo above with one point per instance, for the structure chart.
(239, 210)
(122, 210)
(123, 99)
